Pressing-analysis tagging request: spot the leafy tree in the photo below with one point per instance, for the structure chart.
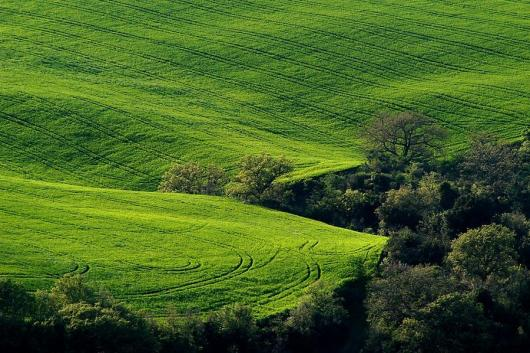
(473, 208)
(179, 334)
(232, 329)
(101, 328)
(192, 178)
(491, 163)
(72, 289)
(357, 208)
(255, 181)
(407, 207)
(318, 308)
(396, 139)
(399, 294)
(520, 225)
(15, 302)
(415, 248)
(20, 328)
(453, 323)
(483, 252)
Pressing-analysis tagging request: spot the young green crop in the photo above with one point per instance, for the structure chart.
(110, 93)
(158, 251)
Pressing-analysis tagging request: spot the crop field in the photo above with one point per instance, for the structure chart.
(154, 251)
(109, 93)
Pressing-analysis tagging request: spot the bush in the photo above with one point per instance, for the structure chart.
(255, 182)
(192, 178)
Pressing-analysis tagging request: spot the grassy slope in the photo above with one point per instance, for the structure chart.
(108, 93)
(194, 252)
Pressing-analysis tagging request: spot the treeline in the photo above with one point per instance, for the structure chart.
(75, 318)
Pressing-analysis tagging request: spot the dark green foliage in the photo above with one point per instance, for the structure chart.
(75, 318)
(232, 329)
(192, 178)
(70, 318)
(399, 295)
(402, 208)
(414, 248)
(484, 252)
(453, 323)
(15, 302)
(179, 334)
(473, 208)
(520, 225)
(106, 328)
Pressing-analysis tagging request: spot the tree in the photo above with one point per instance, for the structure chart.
(15, 302)
(232, 329)
(453, 323)
(400, 293)
(414, 248)
(406, 207)
(473, 208)
(491, 163)
(315, 324)
(255, 182)
(401, 138)
(482, 252)
(520, 225)
(192, 178)
(106, 328)
(401, 208)
(357, 208)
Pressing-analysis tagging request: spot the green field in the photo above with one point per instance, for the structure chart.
(154, 251)
(109, 93)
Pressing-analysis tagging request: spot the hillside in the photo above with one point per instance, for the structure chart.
(109, 93)
(193, 253)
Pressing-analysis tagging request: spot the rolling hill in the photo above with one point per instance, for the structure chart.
(109, 93)
(155, 251)
(99, 97)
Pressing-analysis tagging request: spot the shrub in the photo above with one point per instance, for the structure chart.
(192, 178)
